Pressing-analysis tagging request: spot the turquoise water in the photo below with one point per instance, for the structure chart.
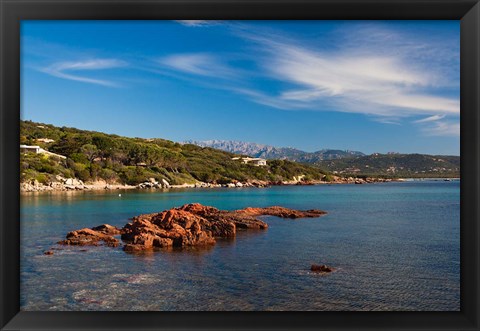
(395, 247)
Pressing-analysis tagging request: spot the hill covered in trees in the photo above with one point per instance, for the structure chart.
(349, 163)
(396, 165)
(94, 156)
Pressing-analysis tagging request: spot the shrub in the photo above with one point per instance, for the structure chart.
(42, 178)
(78, 157)
(109, 175)
(328, 178)
(83, 174)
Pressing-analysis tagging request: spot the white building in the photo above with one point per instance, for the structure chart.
(32, 149)
(256, 161)
(39, 150)
(45, 140)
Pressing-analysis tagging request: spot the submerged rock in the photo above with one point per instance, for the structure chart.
(321, 268)
(185, 226)
(282, 212)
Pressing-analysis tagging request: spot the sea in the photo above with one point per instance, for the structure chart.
(394, 246)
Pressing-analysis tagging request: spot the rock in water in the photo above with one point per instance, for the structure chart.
(282, 212)
(321, 268)
(188, 225)
(89, 237)
(107, 229)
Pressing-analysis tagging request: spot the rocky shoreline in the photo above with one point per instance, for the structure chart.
(73, 184)
(70, 184)
(185, 226)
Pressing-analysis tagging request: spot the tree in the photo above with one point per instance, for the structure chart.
(153, 155)
(105, 145)
(136, 154)
(90, 151)
(69, 143)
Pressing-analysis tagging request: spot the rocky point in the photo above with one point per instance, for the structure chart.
(188, 225)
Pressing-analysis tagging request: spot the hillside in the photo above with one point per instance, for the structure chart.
(349, 162)
(270, 152)
(396, 165)
(92, 156)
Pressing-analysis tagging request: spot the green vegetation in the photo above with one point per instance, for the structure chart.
(396, 166)
(93, 155)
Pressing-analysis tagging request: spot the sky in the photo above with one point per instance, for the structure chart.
(369, 86)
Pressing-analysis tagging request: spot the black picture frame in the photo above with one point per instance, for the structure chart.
(13, 11)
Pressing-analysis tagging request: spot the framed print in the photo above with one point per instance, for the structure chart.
(239, 165)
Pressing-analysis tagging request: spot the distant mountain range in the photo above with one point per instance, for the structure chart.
(271, 152)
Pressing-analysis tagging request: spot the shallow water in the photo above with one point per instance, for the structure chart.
(395, 247)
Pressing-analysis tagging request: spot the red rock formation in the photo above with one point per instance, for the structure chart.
(169, 228)
(188, 225)
(107, 229)
(89, 237)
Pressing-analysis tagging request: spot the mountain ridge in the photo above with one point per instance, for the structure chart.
(272, 152)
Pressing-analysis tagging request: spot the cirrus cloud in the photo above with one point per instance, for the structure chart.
(358, 82)
(69, 70)
(202, 64)
(380, 73)
(197, 23)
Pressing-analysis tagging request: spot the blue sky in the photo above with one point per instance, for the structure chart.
(372, 86)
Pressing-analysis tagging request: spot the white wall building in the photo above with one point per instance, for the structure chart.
(256, 161)
(39, 150)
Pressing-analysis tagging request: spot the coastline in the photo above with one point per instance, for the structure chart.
(72, 184)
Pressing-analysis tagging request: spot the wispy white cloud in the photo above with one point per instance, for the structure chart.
(367, 83)
(437, 54)
(372, 71)
(203, 64)
(442, 128)
(430, 119)
(67, 70)
(262, 97)
(365, 79)
(439, 125)
(197, 23)
(387, 120)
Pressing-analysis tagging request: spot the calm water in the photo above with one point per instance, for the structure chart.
(396, 247)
